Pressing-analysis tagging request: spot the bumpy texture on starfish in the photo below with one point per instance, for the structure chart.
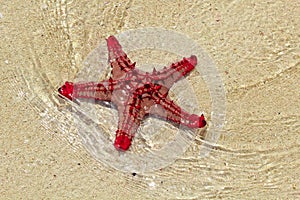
(135, 93)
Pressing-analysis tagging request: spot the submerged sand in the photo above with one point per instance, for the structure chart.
(255, 46)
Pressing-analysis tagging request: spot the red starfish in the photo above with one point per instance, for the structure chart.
(135, 92)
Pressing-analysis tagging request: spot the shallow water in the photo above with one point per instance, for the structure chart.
(256, 157)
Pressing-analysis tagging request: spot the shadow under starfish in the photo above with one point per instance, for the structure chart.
(134, 93)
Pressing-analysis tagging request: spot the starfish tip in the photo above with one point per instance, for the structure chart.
(113, 42)
(111, 37)
(192, 60)
(202, 121)
(196, 121)
(67, 90)
(122, 143)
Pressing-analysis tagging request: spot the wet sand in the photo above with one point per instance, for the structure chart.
(255, 47)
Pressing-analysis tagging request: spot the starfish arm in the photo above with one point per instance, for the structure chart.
(118, 59)
(99, 91)
(127, 127)
(171, 111)
(130, 117)
(168, 76)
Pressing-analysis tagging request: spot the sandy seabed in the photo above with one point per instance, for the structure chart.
(256, 48)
